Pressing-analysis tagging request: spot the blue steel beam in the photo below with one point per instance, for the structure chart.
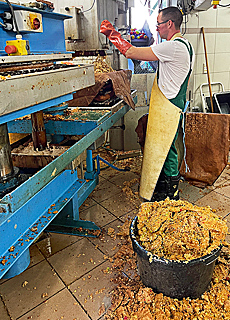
(61, 127)
(37, 107)
(18, 230)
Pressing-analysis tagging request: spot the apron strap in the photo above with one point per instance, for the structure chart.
(189, 47)
(180, 99)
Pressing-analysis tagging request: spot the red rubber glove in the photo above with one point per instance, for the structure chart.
(114, 36)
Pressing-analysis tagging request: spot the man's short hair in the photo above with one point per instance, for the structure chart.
(174, 14)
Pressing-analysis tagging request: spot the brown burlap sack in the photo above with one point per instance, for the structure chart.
(121, 86)
(207, 147)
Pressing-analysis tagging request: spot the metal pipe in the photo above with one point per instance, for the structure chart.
(130, 17)
(38, 131)
(6, 163)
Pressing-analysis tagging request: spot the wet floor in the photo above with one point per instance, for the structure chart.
(68, 277)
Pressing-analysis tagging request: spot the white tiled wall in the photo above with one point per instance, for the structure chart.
(216, 24)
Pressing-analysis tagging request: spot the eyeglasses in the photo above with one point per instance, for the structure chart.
(159, 23)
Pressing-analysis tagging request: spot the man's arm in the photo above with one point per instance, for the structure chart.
(129, 51)
(141, 53)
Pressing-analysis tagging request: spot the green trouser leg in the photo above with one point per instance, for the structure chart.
(168, 181)
(171, 163)
(170, 167)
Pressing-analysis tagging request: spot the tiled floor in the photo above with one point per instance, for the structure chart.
(68, 277)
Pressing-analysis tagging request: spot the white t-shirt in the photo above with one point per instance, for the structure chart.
(174, 65)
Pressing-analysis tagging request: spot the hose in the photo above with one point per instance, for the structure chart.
(90, 7)
(116, 158)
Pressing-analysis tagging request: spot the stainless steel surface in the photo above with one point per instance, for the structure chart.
(6, 164)
(143, 84)
(74, 27)
(122, 134)
(30, 58)
(91, 20)
(116, 135)
(26, 90)
(130, 122)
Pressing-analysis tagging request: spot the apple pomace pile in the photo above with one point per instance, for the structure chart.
(179, 230)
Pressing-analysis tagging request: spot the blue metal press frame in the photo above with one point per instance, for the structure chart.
(51, 198)
(52, 195)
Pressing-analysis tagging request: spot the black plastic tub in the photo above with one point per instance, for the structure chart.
(222, 100)
(175, 279)
(140, 42)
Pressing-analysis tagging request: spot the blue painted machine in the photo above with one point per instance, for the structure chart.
(34, 78)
